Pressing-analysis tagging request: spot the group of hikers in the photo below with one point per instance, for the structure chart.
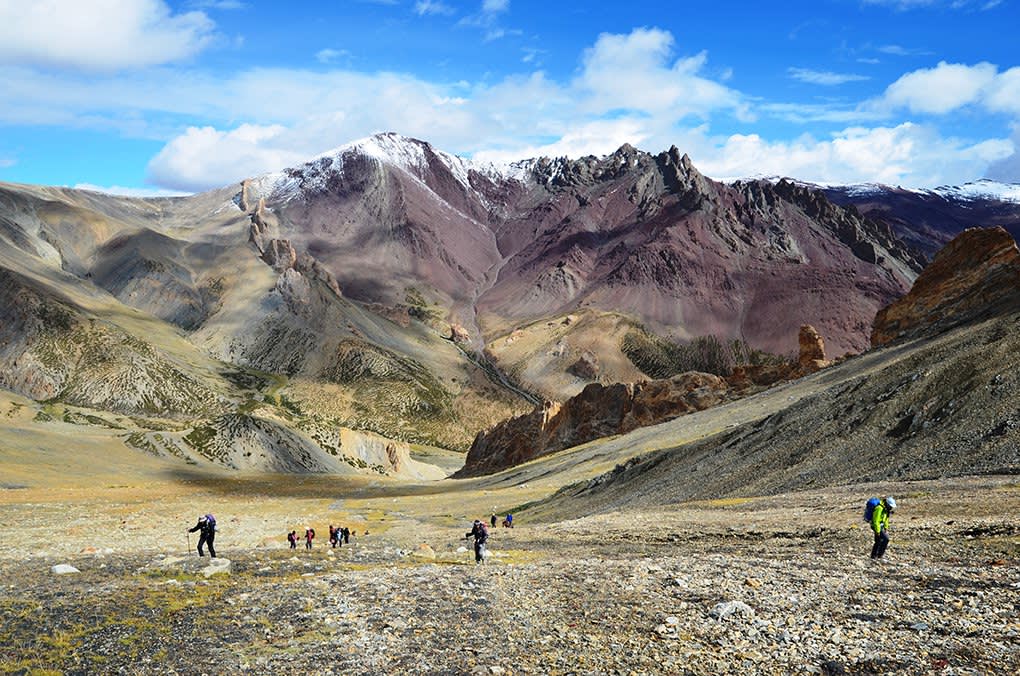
(338, 537)
(876, 513)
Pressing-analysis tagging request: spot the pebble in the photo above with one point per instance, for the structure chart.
(64, 569)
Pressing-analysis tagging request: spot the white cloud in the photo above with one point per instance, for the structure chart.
(908, 154)
(100, 34)
(129, 192)
(632, 72)
(203, 156)
(904, 5)
(432, 7)
(218, 4)
(940, 90)
(495, 6)
(7, 162)
(825, 78)
(1003, 94)
(330, 55)
(1007, 169)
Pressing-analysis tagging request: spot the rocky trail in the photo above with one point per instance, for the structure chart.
(769, 585)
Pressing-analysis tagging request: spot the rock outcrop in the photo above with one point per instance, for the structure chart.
(976, 276)
(598, 411)
(586, 367)
(459, 334)
(812, 350)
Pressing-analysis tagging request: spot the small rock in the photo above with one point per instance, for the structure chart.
(64, 569)
(723, 610)
(919, 626)
(752, 582)
(217, 567)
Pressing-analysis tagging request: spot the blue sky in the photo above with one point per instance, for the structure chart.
(153, 95)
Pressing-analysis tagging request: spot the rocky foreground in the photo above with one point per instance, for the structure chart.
(773, 585)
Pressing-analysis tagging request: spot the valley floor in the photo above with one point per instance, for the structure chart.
(621, 593)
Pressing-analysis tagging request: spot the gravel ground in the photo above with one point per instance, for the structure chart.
(774, 585)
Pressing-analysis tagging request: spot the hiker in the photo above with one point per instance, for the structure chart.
(481, 535)
(292, 539)
(880, 526)
(309, 536)
(492, 520)
(508, 522)
(206, 524)
(347, 535)
(332, 536)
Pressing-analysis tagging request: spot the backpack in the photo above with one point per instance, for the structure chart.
(483, 530)
(869, 509)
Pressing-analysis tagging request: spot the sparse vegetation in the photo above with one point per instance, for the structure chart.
(659, 357)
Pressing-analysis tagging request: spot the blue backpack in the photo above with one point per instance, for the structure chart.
(869, 509)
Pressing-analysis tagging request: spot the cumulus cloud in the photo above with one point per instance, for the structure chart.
(202, 156)
(938, 90)
(633, 72)
(631, 79)
(99, 35)
(908, 154)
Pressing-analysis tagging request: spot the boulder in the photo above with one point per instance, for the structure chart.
(64, 569)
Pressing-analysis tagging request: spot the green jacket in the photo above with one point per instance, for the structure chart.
(879, 518)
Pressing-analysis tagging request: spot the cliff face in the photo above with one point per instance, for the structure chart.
(976, 276)
(598, 411)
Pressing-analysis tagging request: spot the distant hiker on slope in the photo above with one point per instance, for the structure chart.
(332, 536)
(206, 524)
(481, 535)
(880, 525)
(492, 520)
(292, 539)
(309, 536)
(347, 535)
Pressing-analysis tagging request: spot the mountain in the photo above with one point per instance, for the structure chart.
(390, 290)
(927, 219)
(646, 238)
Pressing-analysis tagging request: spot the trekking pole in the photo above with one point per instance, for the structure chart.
(188, 533)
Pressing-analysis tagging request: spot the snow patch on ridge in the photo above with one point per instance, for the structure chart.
(391, 149)
(983, 189)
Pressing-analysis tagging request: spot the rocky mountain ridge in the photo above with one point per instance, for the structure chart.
(337, 284)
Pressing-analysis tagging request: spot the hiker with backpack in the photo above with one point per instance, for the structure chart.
(347, 535)
(877, 514)
(206, 524)
(481, 535)
(309, 536)
(332, 536)
(292, 539)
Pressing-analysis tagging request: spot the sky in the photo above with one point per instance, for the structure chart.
(162, 97)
